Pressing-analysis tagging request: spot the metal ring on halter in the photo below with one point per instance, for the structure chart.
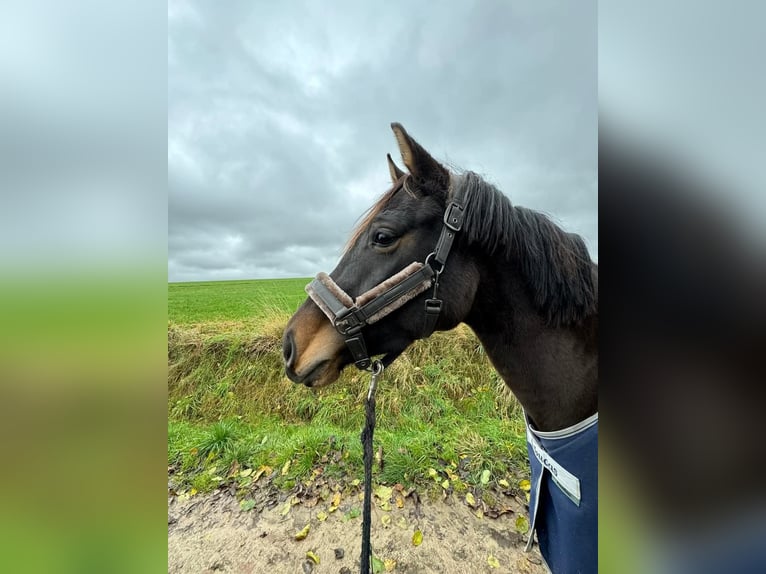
(437, 272)
(376, 369)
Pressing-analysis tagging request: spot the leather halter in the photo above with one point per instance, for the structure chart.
(350, 319)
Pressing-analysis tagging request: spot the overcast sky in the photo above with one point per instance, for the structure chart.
(279, 113)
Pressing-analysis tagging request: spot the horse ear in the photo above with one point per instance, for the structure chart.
(394, 170)
(418, 161)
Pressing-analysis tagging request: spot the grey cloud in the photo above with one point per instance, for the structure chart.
(278, 120)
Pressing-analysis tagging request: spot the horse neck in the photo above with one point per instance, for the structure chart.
(552, 371)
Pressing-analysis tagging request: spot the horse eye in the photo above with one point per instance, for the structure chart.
(383, 239)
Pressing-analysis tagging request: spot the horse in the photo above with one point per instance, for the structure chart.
(441, 248)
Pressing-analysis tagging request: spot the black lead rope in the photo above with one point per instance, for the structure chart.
(367, 434)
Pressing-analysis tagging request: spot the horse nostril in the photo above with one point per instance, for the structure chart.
(288, 349)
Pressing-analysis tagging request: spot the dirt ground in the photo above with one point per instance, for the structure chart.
(211, 533)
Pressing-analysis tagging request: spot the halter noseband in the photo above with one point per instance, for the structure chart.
(349, 317)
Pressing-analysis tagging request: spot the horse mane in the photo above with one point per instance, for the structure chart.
(562, 279)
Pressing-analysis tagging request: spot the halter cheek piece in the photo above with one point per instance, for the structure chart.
(350, 317)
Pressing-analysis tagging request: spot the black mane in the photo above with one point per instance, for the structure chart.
(556, 266)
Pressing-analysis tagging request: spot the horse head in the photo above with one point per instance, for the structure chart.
(402, 228)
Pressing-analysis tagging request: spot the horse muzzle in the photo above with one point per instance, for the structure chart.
(312, 350)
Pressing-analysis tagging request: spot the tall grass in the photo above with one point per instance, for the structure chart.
(441, 403)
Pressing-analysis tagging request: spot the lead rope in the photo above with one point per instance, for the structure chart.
(367, 433)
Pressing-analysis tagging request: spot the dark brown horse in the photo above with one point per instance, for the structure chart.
(528, 289)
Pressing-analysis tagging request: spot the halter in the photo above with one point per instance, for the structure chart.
(350, 317)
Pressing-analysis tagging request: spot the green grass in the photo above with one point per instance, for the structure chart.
(233, 300)
(440, 405)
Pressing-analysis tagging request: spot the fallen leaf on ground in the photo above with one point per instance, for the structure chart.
(313, 557)
(417, 538)
(386, 519)
(286, 508)
(470, 499)
(493, 562)
(504, 483)
(322, 516)
(383, 492)
(261, 471)
(522, 524)
(303, 532)
(247, 504)
(192, 492)
(399, 501)
(485, 474)
(286, 467)
(525, 485)
(445, 484)
(389, 564)
(377, 565)
(245, 473)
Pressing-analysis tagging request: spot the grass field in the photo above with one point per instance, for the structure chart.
(233, 300)
(441, 406)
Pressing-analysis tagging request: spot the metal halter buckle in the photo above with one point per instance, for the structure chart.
(453, 216)
(348, 322)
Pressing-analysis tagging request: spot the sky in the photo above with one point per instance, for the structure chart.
(279, 113)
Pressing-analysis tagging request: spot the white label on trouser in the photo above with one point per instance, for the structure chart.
(565, 480)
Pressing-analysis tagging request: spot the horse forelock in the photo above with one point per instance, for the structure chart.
(367, 217)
